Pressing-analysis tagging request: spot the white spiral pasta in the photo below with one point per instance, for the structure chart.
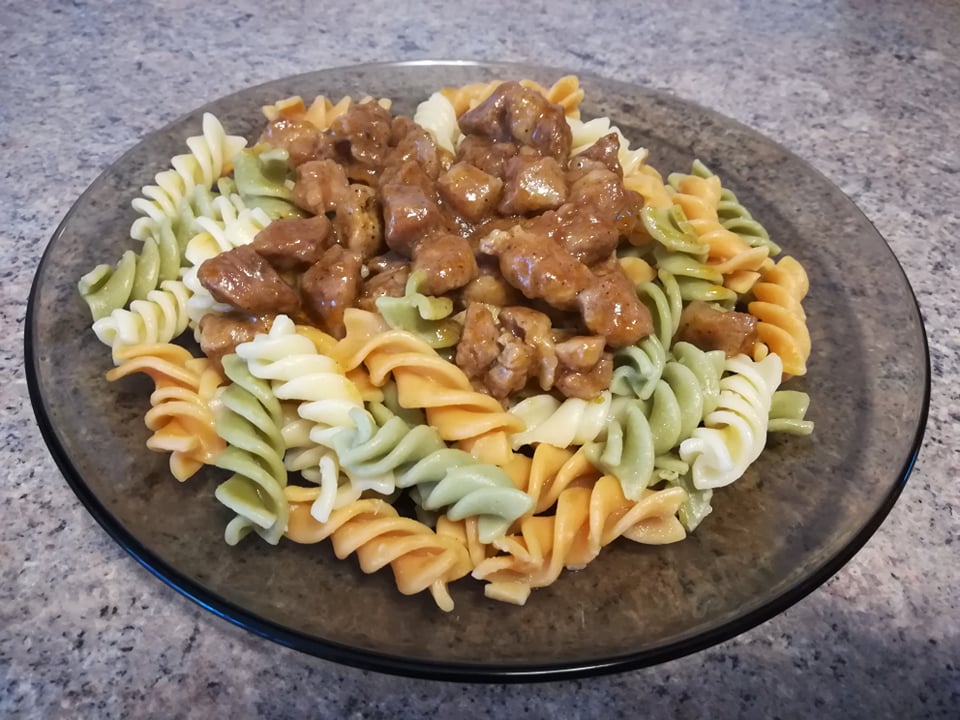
(587, 133)
(562, 424)
(316, 464)
(438, 117)
(325, 398)
(208, 160)
(160, 318)
(734, 434)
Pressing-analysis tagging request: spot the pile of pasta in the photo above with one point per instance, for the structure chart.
(380, 445)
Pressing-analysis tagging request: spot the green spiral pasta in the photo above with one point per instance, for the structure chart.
(249, 417)
(663, 300)
(788, 410)
(426, 317)
(670, 228)
(696, 279)
(382, 443)
(637, 369)
(735, 217)
(107, 288)
(639, 437)
(261, 176)
(681, 253)
(158, 318)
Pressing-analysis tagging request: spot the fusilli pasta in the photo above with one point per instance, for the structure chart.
(180, 415)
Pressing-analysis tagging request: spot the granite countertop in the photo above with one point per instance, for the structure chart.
(869, 93)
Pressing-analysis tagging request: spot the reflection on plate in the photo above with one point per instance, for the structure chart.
(801, 511)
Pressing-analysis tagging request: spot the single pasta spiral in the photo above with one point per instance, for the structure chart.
(159, 318)
(209, 159)
(380, 445)
(180, 415)
(734, 434)
(571, 421)
(426, 317)
(421, 559)
(735, 217)
(249, 418)
(731, 255)
(782, 325)
(438, 117)
(643, 431)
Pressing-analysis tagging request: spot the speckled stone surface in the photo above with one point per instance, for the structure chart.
(868, 94)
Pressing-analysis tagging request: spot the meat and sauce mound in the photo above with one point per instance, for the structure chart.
(517, 232)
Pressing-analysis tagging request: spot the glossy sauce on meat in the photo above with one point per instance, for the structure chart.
(518, 233)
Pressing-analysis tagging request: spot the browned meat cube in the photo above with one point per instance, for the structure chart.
(470, 191)
(709, 328)
(489, 288)
(388, 282)
(477, 349)
(331, 286)
(357, 221)
(586, 234)
(515, 364)
(538, 266)
(610, 307)
(243, 279)
(604, 153)
(529, 325)
(298, 137)
(409, 215)
(412, 142)
(293, 244)
(487, 155)
(533, 185)
(446, 260)
(361, 138)
(321, 185)
(586, 384)
(513, 112)
(220, 334)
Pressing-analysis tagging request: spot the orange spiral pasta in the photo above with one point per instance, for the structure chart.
(424, 380)
(549, 472)
(699, 197)
(783, 323)
(647, 181)
(180, 416)
(565, 92)
(586, 519)
(420, 558)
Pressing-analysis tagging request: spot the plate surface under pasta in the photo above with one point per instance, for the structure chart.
(800, 510)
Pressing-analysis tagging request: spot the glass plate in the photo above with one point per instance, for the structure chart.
(803, 509)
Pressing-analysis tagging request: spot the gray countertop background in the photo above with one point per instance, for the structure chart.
(868, 92)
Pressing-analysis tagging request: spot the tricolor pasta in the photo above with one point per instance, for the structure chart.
(486, 340)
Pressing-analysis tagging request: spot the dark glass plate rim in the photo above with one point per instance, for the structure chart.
(456, 671)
